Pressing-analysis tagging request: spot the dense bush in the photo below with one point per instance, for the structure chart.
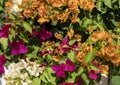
(59, 42)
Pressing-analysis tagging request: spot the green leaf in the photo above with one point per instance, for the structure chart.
(99, 5)
(90, 56)
(36, 81)
(27, 26)
(1, 2)
(71, 42)
(4, 42)
(34, 52)
(24, 37)
(93, 67)
(84, 77)
(108, 3)
(11, 16)
(80, 70)
(71, 55)
(119, 3)
(71, 77)
(115, 80)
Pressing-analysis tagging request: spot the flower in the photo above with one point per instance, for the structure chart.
(67, 83)
(5, 31)
(93, 74)
(69, 66)
(18, 48)
(65, 41)
(44, 34)
(59, 69)
(2, 62)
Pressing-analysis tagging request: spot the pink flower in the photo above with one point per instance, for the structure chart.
(67, 84)
(18, 48)
(93, 74)
(69, 66)
(2, 62)
(59, 69)
(5, 31)
(44, 34)
(79, 81)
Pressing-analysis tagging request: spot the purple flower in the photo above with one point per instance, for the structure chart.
(69, 66)
(44, 34)
(5, 31)
(2, 62)
(93, 74)
(65, 41)
(79, 81)
(59, 69)
(67, 84)
(18, 48)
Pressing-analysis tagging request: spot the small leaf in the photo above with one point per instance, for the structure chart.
(84, 77)
(71, 42)
(108, 3)
(80, 70)
(27, 26)
(71, 77)
(36, 81)
(93, 67)
(71, 55)
(90, 56)
(11, 16)
(1, 2)
(4, 42)
(115, 80)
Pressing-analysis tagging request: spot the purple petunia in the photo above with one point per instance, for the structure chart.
(69, 66)
(93, 74)
(2, 62)
(18, 48)
(5, 31)
(59, 69)
(44, 34)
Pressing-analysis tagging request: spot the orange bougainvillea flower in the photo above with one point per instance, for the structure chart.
(58, 36)
(104, 69)
(99, 35)
(70, 33)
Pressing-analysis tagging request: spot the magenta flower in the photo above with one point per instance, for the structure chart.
(79, 81)
(44, 34)
(59, 69)
(93, 74)
(18, 48)
(2, 62)
(67, 84)
(69, 66)
(5, 31)
(65, 41)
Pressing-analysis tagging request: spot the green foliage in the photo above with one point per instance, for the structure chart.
(115, 80)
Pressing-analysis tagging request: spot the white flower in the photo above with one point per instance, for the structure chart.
(16, 6)
(17, 2)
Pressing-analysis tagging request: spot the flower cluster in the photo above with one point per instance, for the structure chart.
(49, 10)
(19, 73)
